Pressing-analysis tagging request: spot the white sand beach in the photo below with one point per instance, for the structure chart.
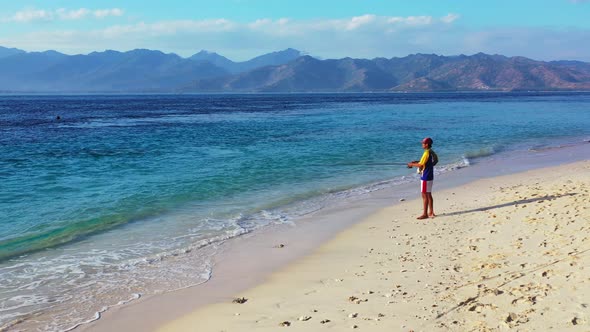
(504, 253)
(508, 252)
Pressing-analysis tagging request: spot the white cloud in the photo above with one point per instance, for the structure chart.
(368, 22)
(260, 23)
(100, 13)
(267, 24)
(168, 28)
(77, 14)
(359, 21)
(283, 21)
(363, 36)
(450, 18)
(35, 15)
(411, 20)
(28, 15)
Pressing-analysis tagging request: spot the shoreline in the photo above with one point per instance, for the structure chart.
(237, 258)
(513, 256)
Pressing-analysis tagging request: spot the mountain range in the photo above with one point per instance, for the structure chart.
(152, 71)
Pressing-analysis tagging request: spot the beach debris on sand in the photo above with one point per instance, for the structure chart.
(240, 300)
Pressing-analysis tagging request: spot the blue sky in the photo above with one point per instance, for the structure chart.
(241, 29)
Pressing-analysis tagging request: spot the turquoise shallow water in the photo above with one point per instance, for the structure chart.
(119, 182)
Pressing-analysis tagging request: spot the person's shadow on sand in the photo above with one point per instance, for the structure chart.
(522, 201)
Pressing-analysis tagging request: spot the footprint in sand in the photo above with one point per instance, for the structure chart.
(547, 273)
(578, 321)
(493, 291)
(479, 307)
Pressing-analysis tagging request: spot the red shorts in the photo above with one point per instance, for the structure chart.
(425, 186)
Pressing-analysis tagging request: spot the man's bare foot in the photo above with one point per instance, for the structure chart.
(422, 217)
(432, 215)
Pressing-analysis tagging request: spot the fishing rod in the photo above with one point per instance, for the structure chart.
(361, 164)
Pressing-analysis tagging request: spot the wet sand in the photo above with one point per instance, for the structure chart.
(509, 252)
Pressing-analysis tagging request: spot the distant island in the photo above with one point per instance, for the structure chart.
(151, 71)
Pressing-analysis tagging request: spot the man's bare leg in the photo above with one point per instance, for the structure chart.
(431, 205)
(425, 206)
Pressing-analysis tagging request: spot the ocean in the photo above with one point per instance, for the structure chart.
(107, 198)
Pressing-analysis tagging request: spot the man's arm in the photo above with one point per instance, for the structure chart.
(422, 161)
(414, 163)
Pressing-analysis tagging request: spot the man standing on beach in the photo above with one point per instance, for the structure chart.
(426, 168)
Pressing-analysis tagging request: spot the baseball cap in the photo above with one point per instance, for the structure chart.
(427, 140)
